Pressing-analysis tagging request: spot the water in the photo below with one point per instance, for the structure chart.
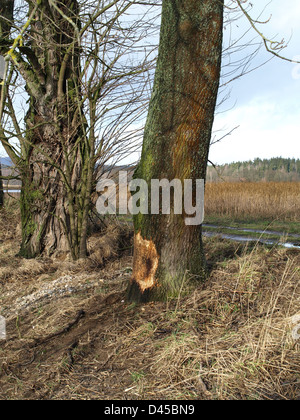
(240, 238)
(266, 232)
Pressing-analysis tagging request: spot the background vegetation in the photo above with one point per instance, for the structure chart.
(275, 169)
(253, 200)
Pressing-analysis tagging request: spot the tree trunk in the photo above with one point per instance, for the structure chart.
(55, 150)
(45, 212)
(51, 211)
(168, 254)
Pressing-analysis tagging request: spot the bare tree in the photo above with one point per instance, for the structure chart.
(85, 80)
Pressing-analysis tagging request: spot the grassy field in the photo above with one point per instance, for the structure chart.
(71, 334)
(254, 202)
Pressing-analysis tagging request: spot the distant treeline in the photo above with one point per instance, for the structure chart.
(275, 169)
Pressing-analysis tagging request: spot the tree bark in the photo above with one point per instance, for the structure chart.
(168, 255)
(54, 152)
(45, 213)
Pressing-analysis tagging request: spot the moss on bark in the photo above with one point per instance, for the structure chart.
(176, 141)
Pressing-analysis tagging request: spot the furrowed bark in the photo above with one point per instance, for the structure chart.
(51, 197)
(168, 255)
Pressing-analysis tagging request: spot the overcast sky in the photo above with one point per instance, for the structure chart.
(266, 103)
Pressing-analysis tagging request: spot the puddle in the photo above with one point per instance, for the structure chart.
(238, 238)
(265, 232)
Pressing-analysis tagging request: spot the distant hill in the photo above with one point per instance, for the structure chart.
(275, 169)
(7, 171)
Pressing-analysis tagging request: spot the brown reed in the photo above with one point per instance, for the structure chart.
(253, 200)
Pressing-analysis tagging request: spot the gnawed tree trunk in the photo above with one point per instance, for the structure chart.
(54, 155)
(167, 253)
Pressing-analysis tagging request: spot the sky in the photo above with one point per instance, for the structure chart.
(264, 104)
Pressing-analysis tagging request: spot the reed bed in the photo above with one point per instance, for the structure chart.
(253, 200)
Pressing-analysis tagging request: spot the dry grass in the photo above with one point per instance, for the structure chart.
(234, 339)
(254, 200)
(230, 339)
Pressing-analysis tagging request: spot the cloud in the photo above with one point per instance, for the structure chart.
(268, 128)
(284, 16)
(267, 101)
